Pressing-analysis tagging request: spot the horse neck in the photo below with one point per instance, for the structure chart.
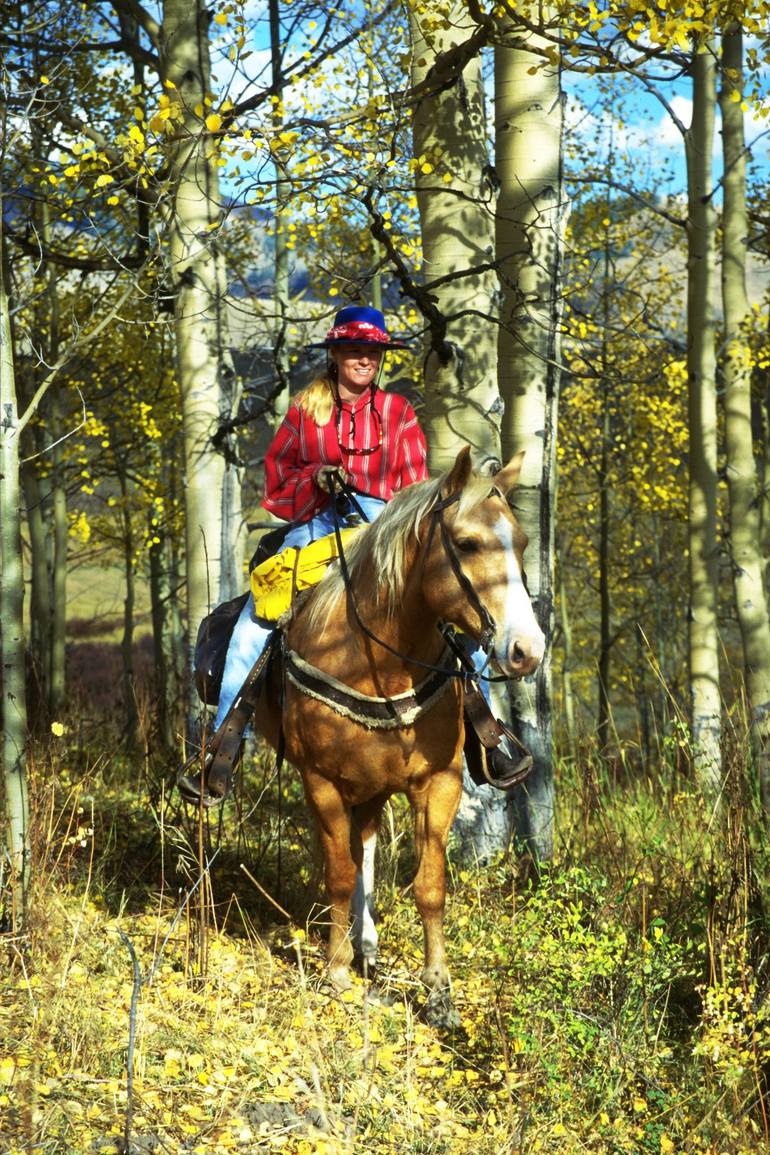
(340, 645)
(412, 631)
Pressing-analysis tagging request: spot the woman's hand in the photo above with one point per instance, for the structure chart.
(329, 475)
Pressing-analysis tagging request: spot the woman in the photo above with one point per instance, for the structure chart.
(342, 424)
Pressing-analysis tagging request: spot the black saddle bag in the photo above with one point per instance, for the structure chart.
(211, 644)
(270, 544)
(216, 629)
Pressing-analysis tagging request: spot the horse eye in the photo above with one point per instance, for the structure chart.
(467, 545)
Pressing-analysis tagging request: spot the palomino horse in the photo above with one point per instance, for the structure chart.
(402, 583)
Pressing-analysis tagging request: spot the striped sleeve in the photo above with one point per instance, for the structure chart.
(413, 450)
(290, 489)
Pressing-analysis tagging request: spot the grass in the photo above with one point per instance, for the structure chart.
(618, 1006)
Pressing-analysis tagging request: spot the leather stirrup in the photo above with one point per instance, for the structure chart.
(482, 742)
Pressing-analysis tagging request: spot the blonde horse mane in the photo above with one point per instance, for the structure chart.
(380, 549)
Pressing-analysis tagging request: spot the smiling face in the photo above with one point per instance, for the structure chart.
(357, 367)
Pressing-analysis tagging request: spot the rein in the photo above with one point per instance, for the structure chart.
(468, 671)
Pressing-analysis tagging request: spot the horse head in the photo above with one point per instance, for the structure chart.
(474, 566)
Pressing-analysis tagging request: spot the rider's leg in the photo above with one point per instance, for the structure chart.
(248, 640)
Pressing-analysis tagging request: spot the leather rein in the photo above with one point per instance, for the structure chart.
(486, 639)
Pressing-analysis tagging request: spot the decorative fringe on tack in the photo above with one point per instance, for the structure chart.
(374, 713)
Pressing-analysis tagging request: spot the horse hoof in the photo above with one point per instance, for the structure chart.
(440, 1011)
(339, 978)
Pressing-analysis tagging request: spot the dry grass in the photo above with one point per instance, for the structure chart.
(618, 1007)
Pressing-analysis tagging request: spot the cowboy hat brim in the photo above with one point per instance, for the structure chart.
(392, 344)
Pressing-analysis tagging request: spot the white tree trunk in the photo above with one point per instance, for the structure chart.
(208, 388)
(701, 358)
(456, 200)
(531, 215)
(745, 513)
(456, 196)
(14, 845)
(283, 191)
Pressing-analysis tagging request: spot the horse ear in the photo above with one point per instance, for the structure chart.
(457, 478)
(509, 474)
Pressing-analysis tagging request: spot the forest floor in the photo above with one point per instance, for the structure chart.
(168, 995)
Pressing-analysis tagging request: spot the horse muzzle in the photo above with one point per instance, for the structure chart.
(522, 657)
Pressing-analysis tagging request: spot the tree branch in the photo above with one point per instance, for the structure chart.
(67, 356)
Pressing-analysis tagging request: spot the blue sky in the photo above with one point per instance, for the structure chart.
(637, 122)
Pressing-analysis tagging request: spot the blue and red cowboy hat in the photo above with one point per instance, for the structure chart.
(358, 325)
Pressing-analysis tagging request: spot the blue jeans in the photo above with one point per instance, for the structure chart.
(251, 633)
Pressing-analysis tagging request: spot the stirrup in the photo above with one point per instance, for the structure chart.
(189, 778)
(503, 772)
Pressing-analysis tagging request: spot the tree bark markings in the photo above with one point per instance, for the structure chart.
(701, 364)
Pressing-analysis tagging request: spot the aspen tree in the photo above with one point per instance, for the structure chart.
(14, 846)
(705, 695)
(745, 513)
(206, 380)
(282, 199)
(456, 198)
(530, 220)
(456, 193)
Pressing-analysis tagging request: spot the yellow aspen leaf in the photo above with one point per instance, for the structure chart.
(213, 122)
(103, 180)
(220, 18)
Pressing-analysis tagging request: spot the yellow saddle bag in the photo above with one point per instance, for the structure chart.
(275, 581)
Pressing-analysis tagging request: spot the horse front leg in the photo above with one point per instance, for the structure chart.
(363, 844)
(332, 817)
(434, 810)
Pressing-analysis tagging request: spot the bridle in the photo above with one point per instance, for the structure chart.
(488, 626)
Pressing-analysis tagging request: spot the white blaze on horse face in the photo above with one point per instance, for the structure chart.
(364, 931)
(519, 641)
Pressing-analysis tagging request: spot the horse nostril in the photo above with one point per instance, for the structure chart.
(518, 653)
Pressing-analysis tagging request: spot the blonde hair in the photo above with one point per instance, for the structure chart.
(317, 399)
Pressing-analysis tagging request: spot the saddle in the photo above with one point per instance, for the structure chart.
(206, 776)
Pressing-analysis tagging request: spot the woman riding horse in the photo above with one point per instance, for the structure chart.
(341, 425)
